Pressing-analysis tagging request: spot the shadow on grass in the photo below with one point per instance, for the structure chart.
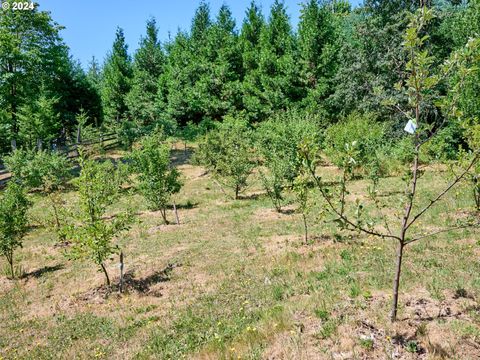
(131, 284)
(143, 285)
(42, 271)
(181, 157)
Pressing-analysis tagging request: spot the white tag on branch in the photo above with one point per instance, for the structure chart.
(410, 127)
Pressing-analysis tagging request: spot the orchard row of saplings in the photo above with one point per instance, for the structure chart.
(285, 151)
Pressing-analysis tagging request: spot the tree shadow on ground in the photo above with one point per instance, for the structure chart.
(143, 285)
(131, 284)
(42, 271)
(181, 157)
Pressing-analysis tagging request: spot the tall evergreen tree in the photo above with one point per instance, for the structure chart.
(249, 42)
(317, 42)
(117, 74)
(278, 70)
(371, 57)
(219, 86)
(94, 74)
(200, 25)
(147, 68)
(181, 94)
(75, 93)
(39, 120)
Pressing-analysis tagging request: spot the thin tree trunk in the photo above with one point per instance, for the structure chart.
(107, 278)
(164, 215)
(9, 257)
(476, 194)
(396, 283)
(305, 227)
(176, 213)
(121, 272)
(57, 220)
(237, 190)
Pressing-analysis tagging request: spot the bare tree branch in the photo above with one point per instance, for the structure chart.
(447, 189)
(341, 215)
(463, 226)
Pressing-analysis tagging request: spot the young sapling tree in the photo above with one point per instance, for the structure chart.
(277, 142)
(13, 221)
(227, 152)
(301, 189)
(91, 231)
(421, 88)
(158, 180)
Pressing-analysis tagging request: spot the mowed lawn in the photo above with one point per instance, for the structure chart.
(235, 281)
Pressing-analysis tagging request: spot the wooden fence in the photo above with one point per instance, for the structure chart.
(107, 141)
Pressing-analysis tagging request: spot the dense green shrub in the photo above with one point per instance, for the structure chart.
(158, 179)
(445, 145)
(38, 169)
(228, 153)
(353, 144)
(47, 171)
(277, 142)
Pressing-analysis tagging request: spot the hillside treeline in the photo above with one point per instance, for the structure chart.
(338, 60)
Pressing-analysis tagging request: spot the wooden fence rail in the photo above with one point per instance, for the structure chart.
(70, 151)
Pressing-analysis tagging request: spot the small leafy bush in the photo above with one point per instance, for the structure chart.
(227, 152)
(47, 171)
(445, 145)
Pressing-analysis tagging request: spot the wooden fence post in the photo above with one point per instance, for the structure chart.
(176, 213)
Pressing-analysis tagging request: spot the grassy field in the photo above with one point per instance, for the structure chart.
(235, 281)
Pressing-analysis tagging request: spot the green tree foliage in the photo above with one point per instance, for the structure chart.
(423, 85)
(90, 231)
(180, 97)
(221, 86)
(371, 56)
(227, 153)
(249, 42)
(318, 45)
(30, 53)
(354, 144)
(277, 143)
(46, 171)
(147, 67)
(94, 74)
(158, 180)
(202, 77)
(117, 76)
(39, 120)
(13, 221)
(38, 169)
(75, 92)
(277, 64)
